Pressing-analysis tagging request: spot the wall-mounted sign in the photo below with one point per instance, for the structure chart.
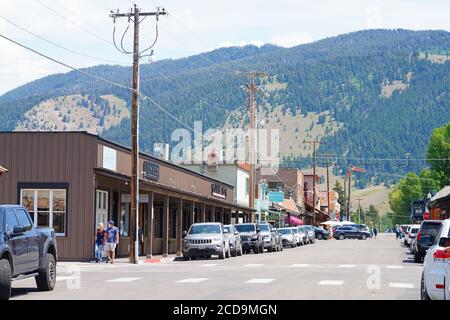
(151, 171)
(126, 198)
(276, 196)
(219, 191)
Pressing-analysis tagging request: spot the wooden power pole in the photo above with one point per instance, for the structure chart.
(134, 15)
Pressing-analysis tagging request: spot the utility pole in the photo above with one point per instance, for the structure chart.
(252, 144)
(327, 163)
(359, 209)
(134, 16)
(314, 177)
(349, 174)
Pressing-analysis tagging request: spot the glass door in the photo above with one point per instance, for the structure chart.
(101, 210)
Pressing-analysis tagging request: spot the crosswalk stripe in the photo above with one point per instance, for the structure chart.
(331, 283)
(192, 280)
(259, 281)
(62, 278)
(253, 265)
(207, 265)
(299, 265)
(347, 266)
(401, 285)
(124, 279)
(394, 267)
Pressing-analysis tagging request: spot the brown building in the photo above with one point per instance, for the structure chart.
(73, 180)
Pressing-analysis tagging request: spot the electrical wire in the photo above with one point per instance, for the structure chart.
(95, 34)
(60, 46)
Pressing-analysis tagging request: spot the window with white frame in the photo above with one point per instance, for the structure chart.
(47, 208)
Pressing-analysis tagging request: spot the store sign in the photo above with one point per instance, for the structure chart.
(109, 158)
(219, 191)
(151, 171)
(276, 196)
(126, 198)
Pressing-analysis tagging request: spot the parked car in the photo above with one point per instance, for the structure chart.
(436, 266)
(269, 236)
(278, 240)
(299, 236)
(350, 232)
(303, 235)
(409, 237)
(288, 237)
(25, 251)
(234, 240)
(321, 233)
(310, 233)
(251, 237)
(427, 228)
(206, 239)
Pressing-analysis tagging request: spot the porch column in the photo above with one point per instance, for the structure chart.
(151, 233)
(192, 213)
(165, 222)
(204, 213)
(222, 215)
(179, 227)
(237, 216)
(213, 214)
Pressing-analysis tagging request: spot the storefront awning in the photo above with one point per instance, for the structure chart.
(294, 221)
(442, 195)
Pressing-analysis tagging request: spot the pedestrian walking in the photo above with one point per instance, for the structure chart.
(99, 242)
(397, 232)
(375, 232)
(112, 240)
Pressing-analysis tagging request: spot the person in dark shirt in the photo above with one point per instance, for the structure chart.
(99, 240)
(112, 240)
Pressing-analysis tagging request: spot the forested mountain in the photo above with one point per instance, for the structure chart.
(387, 90)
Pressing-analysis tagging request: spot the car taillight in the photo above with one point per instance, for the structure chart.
(440, 255)
(419, 235)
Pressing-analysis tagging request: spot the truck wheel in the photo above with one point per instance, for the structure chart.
(222, 254)
(46, 279)
(363, 237)
(341, 237)
(239, 253)
(319, 236)
(5, 279)
(417, 257)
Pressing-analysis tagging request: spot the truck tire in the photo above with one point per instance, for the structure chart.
(341, 237)
(5, 279)
(417, 257)
(423, 290)
(222, 254)
(319, 236)
(46, 279)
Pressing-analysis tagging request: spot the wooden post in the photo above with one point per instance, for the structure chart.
(192, 213)
(165, 243)
(179, 227)
(151, 233)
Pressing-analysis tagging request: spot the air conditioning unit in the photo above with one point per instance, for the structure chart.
(161, 151)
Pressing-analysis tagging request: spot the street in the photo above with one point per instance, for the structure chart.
(348, 269)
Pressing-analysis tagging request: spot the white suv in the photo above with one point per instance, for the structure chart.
(435, 284)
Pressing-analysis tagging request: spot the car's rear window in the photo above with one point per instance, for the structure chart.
(245, 227)
(430, 228)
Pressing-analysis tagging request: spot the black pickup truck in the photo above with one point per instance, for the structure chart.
(25, 251)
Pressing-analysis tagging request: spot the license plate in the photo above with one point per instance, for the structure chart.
(201, 247)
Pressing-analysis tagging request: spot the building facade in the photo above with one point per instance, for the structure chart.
(73, 180)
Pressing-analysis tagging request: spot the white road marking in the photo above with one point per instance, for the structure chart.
(259, 281)
(394, 267)
(192, 280)
(207, 265)
(62, 278)
(123, 279)
(299, 265)
(347, 266)
(401, 285)
(331, 283)
(253, 265)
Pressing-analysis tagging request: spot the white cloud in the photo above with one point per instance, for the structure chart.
(292, 39)
(374, 17)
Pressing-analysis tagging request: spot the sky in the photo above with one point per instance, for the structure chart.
(191, 27)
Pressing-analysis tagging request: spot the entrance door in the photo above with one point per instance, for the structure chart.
(101, 210)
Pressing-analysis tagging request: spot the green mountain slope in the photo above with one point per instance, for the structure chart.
(388, 89)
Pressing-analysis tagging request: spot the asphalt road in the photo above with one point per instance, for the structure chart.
(348, 269)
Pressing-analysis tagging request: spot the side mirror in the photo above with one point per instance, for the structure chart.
(225, 231)
(444, 242)
(184, 234)
(18, 230)
(236, 233)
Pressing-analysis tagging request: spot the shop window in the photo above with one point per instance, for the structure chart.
(47, 208)
(124, 223)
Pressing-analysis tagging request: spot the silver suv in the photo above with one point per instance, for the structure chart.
(269, 236)
(234, 240)
(205, 240)
(251, 237)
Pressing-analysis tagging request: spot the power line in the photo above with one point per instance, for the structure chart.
(58, 45)
(95, 34)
